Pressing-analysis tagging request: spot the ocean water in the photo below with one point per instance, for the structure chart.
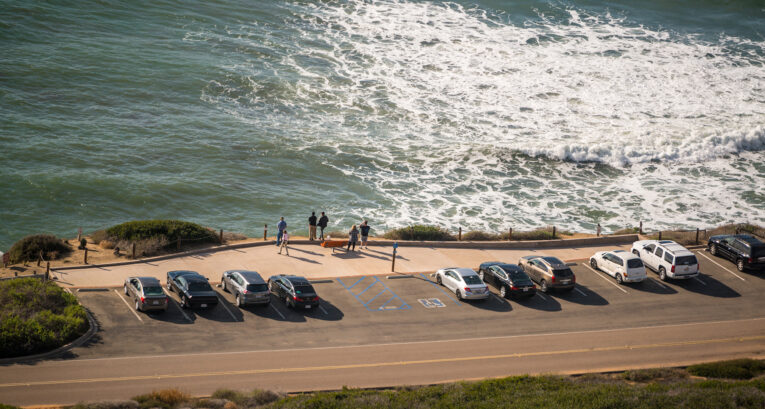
(480, 115)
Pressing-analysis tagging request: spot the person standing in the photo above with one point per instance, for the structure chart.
(323, 220)
(353, 236)
(312, 227)
(364, 234)
(285, 241)
(281, 226)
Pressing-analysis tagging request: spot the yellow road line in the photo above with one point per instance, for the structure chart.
(386, 364)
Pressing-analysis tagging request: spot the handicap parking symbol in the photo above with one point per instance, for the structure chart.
(431, 303)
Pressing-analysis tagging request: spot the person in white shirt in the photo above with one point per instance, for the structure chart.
(285, 240)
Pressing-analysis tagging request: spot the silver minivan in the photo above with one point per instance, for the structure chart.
(248, 287)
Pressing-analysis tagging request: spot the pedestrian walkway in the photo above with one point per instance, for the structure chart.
(313, 262)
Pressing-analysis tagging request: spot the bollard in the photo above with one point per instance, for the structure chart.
(85, 261)
(598, 234)
(221, 236)
(79, 234)
(510, 234)
(641, 227)
(393, 261)
(179, 242)
(659, 234)
(47, 271)
(459, 235)
(553, 231)
(697, 235)
(133, 250)
(265, 232)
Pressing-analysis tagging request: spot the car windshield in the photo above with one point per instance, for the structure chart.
(304, 289)
(634, 263)
(685, 260)
(199, 286)
(566, 272)
(152, 290)
(257, 287)
(471, 279)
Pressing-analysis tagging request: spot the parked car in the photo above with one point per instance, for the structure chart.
(192, 288)
(146, 293)
(624, 266)
(296, 291)
(465, 283)
(248, 287)
(744, 250)
(510, 279)
(548, 272)
(667, 258)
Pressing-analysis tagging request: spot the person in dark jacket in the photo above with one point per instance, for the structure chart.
(353, 237)
(312, 227)
(364, 228)
(323, 220)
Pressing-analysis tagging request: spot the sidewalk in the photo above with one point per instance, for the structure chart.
(314, 262)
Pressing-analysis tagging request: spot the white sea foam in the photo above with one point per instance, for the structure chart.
(431, 105)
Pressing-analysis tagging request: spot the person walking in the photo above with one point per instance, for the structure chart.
(323, 220)
(312, 227)
(353, 236)
(281, 226)
(364, 228)
(285, 241)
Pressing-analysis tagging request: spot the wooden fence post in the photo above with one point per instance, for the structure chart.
(133, 250)
(641, 227)
(598, 234)
(86, 256)
(553, 231)
(265, 232)
(510, 234)
(221, 236)
(47, 270)
(659, 234)
(179, 242)
(459, 234)
(697, 235)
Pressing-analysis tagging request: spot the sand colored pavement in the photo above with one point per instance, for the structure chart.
(314, 262)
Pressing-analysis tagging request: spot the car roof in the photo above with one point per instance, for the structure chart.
(252, 277)
(676, 249)
(748, 239)
(296, 279)
(553, 261)
(509, 267)
(464, 271)
(191, 277)
(147, 281)
(626, 255)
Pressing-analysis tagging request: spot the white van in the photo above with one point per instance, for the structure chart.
(667, 258)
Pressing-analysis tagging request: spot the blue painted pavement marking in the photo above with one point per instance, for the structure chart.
(385, 289)
(440, 289)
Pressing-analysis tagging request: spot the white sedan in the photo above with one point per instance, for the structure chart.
(464, 282)
(624, 266)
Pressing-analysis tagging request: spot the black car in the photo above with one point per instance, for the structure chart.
(510, 279)
(193, 289)
(744, 250)
(296, 291)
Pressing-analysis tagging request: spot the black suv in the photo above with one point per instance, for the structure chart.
(296, 291)
(744, 250)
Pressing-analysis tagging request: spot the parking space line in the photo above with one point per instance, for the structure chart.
(440, 289)
(580, 291)
(277, 311)
(541, 295)
(650, 280)
(699, 280)
(354, 284)
(323, 310)
(376, 280)
(720, 265)
(609, 281)
(128, 305)
(498, 298)
(368, 287)
(386, 302)
(176, 304)
(221, 301)
(373, 298)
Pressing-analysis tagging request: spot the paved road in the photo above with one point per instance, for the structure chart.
(375, 331)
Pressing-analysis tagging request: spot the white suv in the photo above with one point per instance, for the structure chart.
(668, 258)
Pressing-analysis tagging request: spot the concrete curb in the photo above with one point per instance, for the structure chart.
(531, 244)
(60, 350)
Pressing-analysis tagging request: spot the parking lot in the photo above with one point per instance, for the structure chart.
(408, 308)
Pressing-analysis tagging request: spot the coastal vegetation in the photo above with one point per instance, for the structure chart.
(31, 248)
(644, 388)
(37, 316)
(152, 237)
(420, 232)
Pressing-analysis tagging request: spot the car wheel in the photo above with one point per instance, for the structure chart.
(594, 263)
(662, 274)
(438, 280)
(635, 252)
(459, 295)
(126, 291)
(480, 274)
(239, 300)
(287, 301)
(543, 286)
(184, 303)
(137, 306)
(223, 285)
(503, 291)
(713, 250)
(740, 264)
(619, 279)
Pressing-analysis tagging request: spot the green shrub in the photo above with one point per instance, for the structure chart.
(627, 230)
(477, 235)
(37, 316)
(165, 398)
(29, 248)
(420, 232)
(735, 369)
(545, 233)
(4, 406)
(652, 374)
(172, 230)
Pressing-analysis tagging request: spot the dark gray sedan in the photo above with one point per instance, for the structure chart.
(248, 287)
(146, 293)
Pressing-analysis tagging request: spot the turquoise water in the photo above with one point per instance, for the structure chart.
(484, 115)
